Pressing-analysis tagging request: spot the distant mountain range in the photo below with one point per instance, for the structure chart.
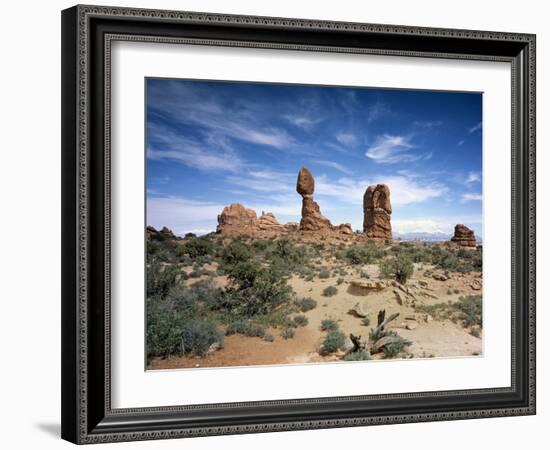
(427, 237)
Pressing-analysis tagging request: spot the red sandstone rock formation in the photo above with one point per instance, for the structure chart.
(235, 220)
(377, 212)
(167, 233)
(312, 219)
(463, 236)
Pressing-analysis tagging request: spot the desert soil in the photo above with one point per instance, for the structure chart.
(430, 338)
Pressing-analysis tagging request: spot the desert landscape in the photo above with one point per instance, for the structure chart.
(258, 292)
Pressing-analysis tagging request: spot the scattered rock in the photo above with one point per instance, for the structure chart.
(464, 237)
(439, 277)
(476, 285)
(398, 296)
(359, 310)
(411, 325)
(377, 212)
(368, 285)
(214, 347)
(423, 283)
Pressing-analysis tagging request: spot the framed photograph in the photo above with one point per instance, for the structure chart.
(279, 224)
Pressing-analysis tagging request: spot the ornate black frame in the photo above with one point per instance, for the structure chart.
(87, 31)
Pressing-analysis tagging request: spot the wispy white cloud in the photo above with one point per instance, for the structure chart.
(264, 180)
(472, 177)
(377, 111)
(199, 159)
(388, 149)
(218, 155)
(404, 190)
(334, 165)
(475, 128)
(348, 139)
(302, 121)
(469, 197)
(460, 143)
(185, 104)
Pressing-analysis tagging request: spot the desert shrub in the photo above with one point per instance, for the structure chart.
(258, 290)
(198, 335)
(164, 329)
(180, 297)
(160, 279)
(471, 310)
(399, 267)
(329, 291)
(475, 332)
(343, 272)
(162, 250)
(235, 252)
(329, 325)
(468, 309)
(245, 328)
(287, 333)
(339, 281)
(244, 273)
(362, 254)
(365, 321)
(309, 278)
(300, 321)
(305, 304)
(393, 349)
(359, 355)
(268, 337)
(333, 341)
(261, 245)
(448, 261)
(289, 254)
(324, 274)
(196, 247)
(196, 273)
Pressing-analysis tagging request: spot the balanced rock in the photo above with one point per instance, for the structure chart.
(312, 219)
(377, 212)
(463, 236)
(305, 185)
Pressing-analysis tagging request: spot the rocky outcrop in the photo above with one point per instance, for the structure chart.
(164, 233)
(236, 220)
(464, 237)
(377, 212)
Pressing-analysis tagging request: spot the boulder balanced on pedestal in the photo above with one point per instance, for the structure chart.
(377, 212)
(312, 219)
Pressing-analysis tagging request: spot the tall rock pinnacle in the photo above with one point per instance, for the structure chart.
(377, 212)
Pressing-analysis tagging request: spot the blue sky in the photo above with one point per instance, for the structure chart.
(210, 144)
